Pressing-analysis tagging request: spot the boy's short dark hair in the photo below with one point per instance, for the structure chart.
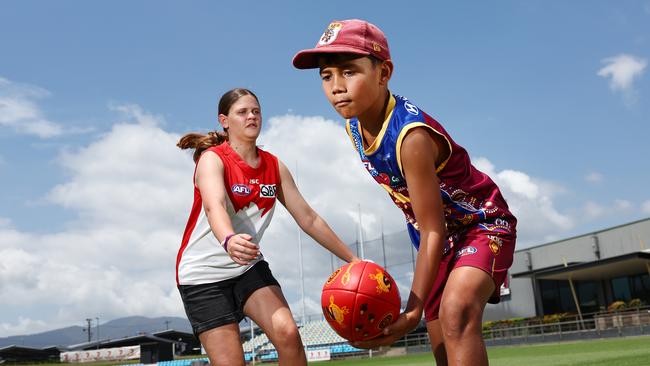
(337, 58)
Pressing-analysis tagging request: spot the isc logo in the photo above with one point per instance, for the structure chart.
(240, 189)
(267, 190)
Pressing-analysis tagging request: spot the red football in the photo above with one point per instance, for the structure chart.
(359, 300)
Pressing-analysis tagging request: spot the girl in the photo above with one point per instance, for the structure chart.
(220, 271)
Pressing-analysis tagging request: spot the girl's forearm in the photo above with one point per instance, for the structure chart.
(318, 229)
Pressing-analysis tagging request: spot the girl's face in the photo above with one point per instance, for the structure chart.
(244, 119)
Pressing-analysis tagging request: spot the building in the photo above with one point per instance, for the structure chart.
(184, 343)
(593, 270)
(21, 354)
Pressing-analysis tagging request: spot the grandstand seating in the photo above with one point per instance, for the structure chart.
(315, 335)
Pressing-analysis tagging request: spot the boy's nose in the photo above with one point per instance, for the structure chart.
(338, 85)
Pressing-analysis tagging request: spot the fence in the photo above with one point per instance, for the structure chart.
(596, 325)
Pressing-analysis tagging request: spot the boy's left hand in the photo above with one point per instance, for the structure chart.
(406, 322)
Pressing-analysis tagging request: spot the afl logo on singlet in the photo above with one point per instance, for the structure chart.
(267, 190)
(240, 189)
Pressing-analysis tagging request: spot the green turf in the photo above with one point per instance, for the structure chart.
(603, 352)
(611, 352)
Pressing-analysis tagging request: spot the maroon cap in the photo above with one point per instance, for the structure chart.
(345, 36)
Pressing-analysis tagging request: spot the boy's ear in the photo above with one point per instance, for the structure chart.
(386, 72)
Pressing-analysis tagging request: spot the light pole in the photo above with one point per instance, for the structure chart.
(97, 318)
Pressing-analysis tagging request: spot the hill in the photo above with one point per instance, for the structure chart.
(114, 329)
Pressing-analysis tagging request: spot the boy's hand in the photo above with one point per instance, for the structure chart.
(406, 322)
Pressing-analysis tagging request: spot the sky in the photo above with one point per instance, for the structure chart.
(551, 99)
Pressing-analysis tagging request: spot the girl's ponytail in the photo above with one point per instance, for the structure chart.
(200, 142)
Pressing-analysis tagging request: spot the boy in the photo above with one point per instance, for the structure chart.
(456, 215)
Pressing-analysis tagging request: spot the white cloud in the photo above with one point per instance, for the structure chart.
(622, 205)
(19, 111)
(594, 177)
(645, 207)
(132, 190)
(23, 326)
(594, 210)
(531, 201)
(623, 70)
(5, 222)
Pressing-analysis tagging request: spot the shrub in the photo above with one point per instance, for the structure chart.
(635, 303)
(616, 306)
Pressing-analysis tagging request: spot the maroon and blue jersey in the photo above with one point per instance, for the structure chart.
(470, 198)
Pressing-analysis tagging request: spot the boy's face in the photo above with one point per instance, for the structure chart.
(352, 84)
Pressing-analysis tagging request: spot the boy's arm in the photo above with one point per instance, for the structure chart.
(209, 181)
(419, 154)
(308, 220)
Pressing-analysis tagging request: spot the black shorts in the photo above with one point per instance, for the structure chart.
(212, 305)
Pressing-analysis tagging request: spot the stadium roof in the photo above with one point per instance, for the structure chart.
(122, 342)
(622, 265)
(15, 353)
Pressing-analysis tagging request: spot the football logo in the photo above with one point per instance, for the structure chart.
(337, 313)
(346, 276)
(385, 321)
(240, 189)
(332, 277)
(383, 283)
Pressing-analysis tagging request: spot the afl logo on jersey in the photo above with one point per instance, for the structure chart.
(267, 190)
(240, 189)
(411, 108)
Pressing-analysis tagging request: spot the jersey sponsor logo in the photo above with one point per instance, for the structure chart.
(267, 190)
(469, 250)
(240, 189)
(411, 108)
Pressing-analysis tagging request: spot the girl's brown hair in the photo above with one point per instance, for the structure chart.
(198, 141)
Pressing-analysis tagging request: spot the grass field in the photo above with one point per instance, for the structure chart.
(607, 352)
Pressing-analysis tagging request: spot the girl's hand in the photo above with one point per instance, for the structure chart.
(241, 249)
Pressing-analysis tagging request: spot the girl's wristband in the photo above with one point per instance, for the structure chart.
(225, 242)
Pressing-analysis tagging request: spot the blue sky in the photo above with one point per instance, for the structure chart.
(551, 98)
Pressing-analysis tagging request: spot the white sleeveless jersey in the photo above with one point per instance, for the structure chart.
(250, 203)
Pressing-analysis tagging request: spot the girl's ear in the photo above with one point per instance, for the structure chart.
(223, 120)
(386, 72)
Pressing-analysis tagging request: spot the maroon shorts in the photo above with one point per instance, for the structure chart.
(490, 251)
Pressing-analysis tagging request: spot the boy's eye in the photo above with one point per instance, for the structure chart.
(348, 73)
(325, 77)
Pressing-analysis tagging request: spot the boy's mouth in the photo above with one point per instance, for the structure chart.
(342, 103)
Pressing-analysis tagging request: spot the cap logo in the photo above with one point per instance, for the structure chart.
(330, 34)
(376, 47)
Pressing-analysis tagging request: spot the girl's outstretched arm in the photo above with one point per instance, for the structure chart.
(209, 181)
(308, 220)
